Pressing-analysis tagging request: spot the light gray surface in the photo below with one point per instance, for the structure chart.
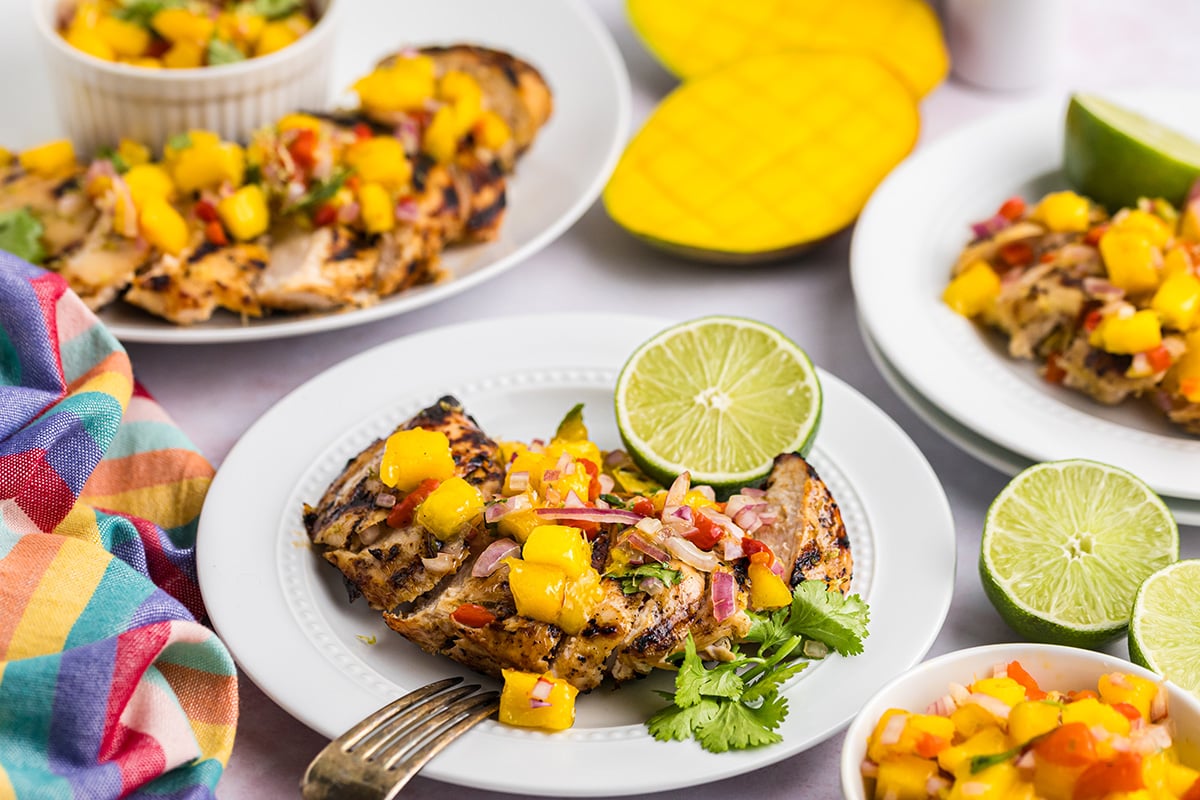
(216, 392)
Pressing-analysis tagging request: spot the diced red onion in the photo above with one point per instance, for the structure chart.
(606, 484)
(497, 511)
(689, 554)
(741, 501)
(975, 788)
(439, 564)
(682, 512)
(1152, 739)
(994, 706)
(750, 491)
(129, 212)
(747, 519)
(959, 693)
(1102, 288)
(370, 535)
(768, 518)
(1026, 760)
(649, 525)
(614, 458)
(990, 227)
(722, 521)
(944, 706)
(1000, 670)
(893, 729)
(643, 545)
(869, 768)
(1158, 706)
(724, 594)
(936, 784)
(603, 516)
(100, 168)
(731, 548)
(678, 491)
(551, 475)
(70, 203)
(493, 555)
(564, 463)
(652, 586)
(600, 502)
(295, 190)
(541, 689)
(518, 481)
(385, 500)
(707, 492)
(348, 213)
(407, 210)
(535, 703)
(572, 500)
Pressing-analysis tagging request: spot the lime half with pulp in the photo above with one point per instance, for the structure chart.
(719, 397)
(1114, 155)
(1067, 544)
(1166, 618)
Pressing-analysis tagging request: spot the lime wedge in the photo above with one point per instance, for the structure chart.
(1166, 616)
(719, 397)
(1115, 156)
(1065, 547)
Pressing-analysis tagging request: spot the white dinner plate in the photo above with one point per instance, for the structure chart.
(555, 181)
(284, 614)
(904, 246)
(1187, 512)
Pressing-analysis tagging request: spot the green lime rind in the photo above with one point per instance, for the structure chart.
(1164, 622)
(1114, 156)
(1065, 546)
(719, 397)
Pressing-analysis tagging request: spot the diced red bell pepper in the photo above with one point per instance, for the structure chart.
(325, 215)
(303, 148)
(1082, 694)
(707, 533)
(1016, 254)
(1093, 235)
(206, 211)
(472, 615)
(1012, 208)
(928, 745)
(644, 506)
(1129, 712)
(1122, 774)
(1018, 674)
(1071, 745)
(752, 546)
(1159, 358)
(215, 233)
(362, 131)
(1054, 374)
(1193, 792)
(402, 513)
(1092, 320)
(594, 482)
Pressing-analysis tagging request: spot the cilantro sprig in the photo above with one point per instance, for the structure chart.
(631, 579)
(21, 234)
(737, 704)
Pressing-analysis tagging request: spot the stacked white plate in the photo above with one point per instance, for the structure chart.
(959, 377)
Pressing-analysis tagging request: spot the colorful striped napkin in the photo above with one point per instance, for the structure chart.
(109, 684)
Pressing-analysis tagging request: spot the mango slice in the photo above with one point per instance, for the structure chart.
(694, 37)
(764, 157)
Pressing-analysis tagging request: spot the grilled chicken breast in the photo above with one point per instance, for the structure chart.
(390, 566)
(626, 636)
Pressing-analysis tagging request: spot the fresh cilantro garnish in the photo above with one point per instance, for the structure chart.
(118, 161)
(631, 579)
(223, 52)
(180, 141)
(322, 191)
(737, 704)
(253, 173)
(21, 234)
(980, 763)
(613, 500)
(276, 9)
(142, 11)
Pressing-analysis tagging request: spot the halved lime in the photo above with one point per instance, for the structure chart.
(1115, 156)
(1166, 616)
(1067, 544)
(718, 397)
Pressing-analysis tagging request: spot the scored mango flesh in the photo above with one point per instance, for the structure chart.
(769, 154)
(695, 37)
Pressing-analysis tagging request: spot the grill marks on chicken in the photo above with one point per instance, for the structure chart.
(627, 635)
(348, 526)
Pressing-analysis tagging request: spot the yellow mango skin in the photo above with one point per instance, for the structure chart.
(763, 157)
(696, 37)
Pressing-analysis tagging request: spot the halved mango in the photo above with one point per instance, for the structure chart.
(695, 37)
(764, 157)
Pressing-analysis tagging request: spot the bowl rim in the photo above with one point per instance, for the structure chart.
(855, 731)
(44, 10)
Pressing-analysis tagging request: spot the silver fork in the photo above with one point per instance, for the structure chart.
(376, 758)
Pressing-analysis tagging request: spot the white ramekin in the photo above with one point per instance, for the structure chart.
(101, 101)
(1054, 667)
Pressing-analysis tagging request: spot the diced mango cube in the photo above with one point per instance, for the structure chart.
(582, 449)
(559, 546)
(184, 54)
(163, 226)
(1006, 690)
(767, 590)
(1153, 226)
(993, 783)
(1132, 689)
(518, 706)
(972, 718)
(245, 212)
(450, 509)
(574, 479)
(1063, 212)
(415, 455)
(181, 25)
(50, 160)
(1031, 718)
(403, 85)
(89, 42)
(462, 92)
(274, 37)
(973, 290)
(904, 777)
(134, 153)
(581, 595)
(149, 180)
(519, 524)
(537, 589)
(382, 160)
(491, 131)
(127, 39)
(1131, 259)
(1091, 711)
(1177, 300)
(441, 135)
(203, 166)
(1136, 333)
(378, 212)
(985, 742)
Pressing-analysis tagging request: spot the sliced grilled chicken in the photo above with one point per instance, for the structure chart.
(387, 564)
(190, 288)
(808, 534)
(101, 266)
(62, 206)
(464, 202)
